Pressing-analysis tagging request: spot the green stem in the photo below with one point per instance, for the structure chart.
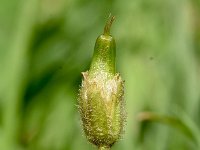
(104, 148)
(15, 73)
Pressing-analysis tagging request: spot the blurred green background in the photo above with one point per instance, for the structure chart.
(46, 44)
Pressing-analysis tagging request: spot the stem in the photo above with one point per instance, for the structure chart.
(104, 148)
(16, 75)
(108, 25)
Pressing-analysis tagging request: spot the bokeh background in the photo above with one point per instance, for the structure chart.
(46, 44)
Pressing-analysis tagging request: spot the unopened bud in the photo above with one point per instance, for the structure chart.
(101, 103)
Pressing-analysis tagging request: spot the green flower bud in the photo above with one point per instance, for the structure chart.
(101, 103)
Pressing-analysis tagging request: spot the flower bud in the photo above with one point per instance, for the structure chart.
(101, 103)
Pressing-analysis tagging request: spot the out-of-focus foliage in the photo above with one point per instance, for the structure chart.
(46, 44)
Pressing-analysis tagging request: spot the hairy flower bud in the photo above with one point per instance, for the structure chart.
(101, 103)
